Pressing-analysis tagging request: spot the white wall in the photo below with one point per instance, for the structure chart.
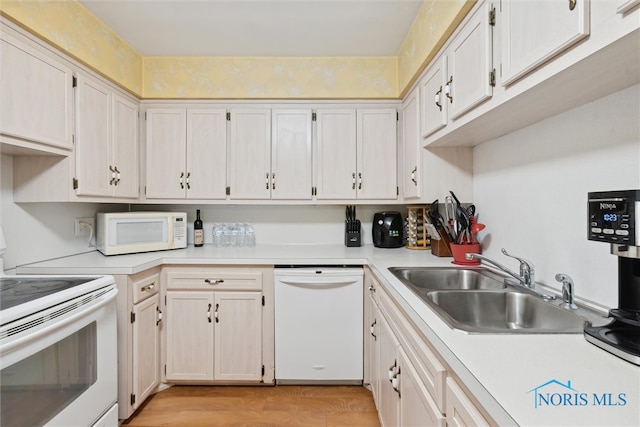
(295, 224)
(530, 188)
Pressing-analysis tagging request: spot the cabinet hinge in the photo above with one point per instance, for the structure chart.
(397, 116)
(74, 81)
(492, 16)
(145, 115)
(133, 317)
(314, 191)
(492, 78)
(314, 117)
(165, 369)
(228, 117)
(263, 370)
(263, 300)
(397, 190)
(133, 398)
(228, 191)
(75, 183)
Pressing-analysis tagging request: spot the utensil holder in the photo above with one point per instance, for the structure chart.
(460, 251)
(417, 237)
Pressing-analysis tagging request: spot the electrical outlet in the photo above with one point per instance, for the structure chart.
(80, 225)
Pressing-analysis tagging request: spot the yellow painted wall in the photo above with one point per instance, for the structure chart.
(270, 77)
(71, 27)
(435, 22)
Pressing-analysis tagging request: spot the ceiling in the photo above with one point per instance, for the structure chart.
(259, 27)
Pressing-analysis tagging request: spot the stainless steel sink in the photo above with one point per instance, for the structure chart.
(503, 312)
(447, 278)
(477, 300)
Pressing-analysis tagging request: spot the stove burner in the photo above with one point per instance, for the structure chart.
(15, 291)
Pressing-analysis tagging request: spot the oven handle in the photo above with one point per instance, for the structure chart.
(94, 305)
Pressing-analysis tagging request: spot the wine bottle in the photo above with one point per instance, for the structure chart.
(198, 231)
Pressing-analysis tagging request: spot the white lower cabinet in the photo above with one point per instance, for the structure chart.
(409, 381)
(139, 326)
(403, 397)
(219, 325)
(461, 411)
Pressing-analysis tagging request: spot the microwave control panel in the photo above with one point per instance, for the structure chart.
(614, 217)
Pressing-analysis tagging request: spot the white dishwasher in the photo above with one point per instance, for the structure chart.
(319, 325)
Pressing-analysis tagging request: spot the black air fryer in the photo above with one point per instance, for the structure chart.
(387, 230)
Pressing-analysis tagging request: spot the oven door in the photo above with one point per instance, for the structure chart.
(62, 371)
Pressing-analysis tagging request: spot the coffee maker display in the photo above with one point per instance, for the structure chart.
(614, 218)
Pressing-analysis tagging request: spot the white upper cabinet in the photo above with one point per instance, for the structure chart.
(433, 102)
(377, 154)
(534, 31)
(206, 172)
(336, 154)
(186, 153)
(470, 80)
(106, 141)
(411, 176)
(356, 154)
(291, 167)
(250, 154)
(166, 152)
(36, 104)
(270, 154)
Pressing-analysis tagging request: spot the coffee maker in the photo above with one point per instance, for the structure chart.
(614, 218)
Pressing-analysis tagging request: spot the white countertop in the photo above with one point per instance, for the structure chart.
(503, 371)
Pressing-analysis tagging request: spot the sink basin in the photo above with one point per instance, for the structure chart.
(447, 278)
(502, 312)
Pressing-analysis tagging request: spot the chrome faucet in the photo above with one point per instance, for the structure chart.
(567, 291)
(527, 273)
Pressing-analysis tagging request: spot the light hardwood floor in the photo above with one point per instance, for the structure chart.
(330, 406)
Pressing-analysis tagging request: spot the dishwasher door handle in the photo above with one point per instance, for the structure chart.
(327, 283)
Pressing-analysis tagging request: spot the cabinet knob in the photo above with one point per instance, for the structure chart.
(159, 316)
(182, 180)
(213, 281)
(413, 175)
(209, 313)
(215, 314)
(273, 181)
(187, 180)
(359, 180)
(447, 89)
(353, 184)
(267, 179)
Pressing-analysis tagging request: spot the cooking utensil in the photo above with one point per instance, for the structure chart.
(463, 225)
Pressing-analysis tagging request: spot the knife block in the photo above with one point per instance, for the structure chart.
(352, 238)
(442, 247)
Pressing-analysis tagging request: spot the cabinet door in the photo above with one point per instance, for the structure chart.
(250, 154)
(461, 411)
(336, 154)
(433, 100)
(189, 322)
(124, 142)
(377, 154)
(291, 154)
(146, 348)
(37, 94)
(166, 153)
(238, 336)
(93, 152)
(206, 172)
(387, 365)
(372, 346)
(534, 31)
(417, 408)
(470, 64)
(410, 177)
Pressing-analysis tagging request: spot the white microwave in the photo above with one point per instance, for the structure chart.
(132, 232)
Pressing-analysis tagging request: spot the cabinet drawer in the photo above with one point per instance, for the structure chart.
(145, 284)
(219, 279)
